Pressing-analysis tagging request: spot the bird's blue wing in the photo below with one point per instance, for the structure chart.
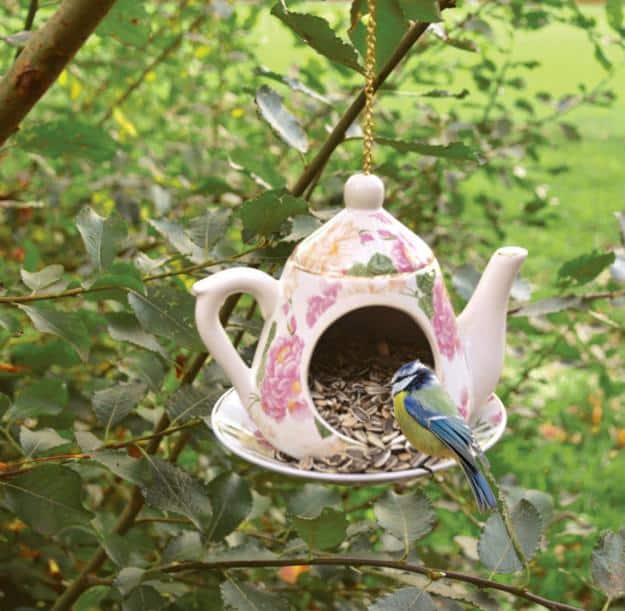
(450, 430)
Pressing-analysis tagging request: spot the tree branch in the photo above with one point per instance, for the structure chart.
(414, 32)
(44, 57)
(433, 574)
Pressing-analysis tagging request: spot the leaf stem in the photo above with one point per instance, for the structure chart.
(355, 561)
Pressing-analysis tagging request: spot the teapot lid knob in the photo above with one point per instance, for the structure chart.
(364, 192)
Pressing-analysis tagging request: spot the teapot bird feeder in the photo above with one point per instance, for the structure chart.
(358, 298)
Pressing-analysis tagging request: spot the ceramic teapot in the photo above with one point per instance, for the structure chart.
(367, 272)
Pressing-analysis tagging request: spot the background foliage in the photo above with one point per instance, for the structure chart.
(164, 153)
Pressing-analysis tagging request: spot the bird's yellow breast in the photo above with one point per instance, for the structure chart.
(419, 437)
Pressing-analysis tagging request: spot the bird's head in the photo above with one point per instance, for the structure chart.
(412, 376)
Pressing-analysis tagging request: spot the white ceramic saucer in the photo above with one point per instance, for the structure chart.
(235, 430)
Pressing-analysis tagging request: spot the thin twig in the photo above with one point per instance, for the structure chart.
(33, 7)
(354, 561)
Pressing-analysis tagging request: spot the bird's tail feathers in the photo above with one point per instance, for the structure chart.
(484, 496)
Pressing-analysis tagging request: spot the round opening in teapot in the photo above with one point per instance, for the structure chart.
(358, 298)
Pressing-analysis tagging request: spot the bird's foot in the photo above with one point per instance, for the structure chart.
(424, 465)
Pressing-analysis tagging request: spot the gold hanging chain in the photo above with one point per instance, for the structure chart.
(369, 89)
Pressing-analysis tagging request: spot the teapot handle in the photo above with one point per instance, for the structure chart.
(211, 293)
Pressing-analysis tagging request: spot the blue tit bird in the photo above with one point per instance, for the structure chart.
(430, 420)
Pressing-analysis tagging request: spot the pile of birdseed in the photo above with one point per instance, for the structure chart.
(350, 386)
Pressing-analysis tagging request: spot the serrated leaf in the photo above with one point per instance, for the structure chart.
(67, 325)
(177, 237)
(208, 228)
(453, 150)
(48, 498)
(302, 226)
(33, 442)
(407, 517)
(231, 500)
(187, 546)
(267, 214)
(608, 563)
(145, 366)
(87, 441)
(171, 488)
(311, 499)
(47, 396)
(128, 579)
(243, 597)
(43, 278)
(542, 501)
(133, 470)
(426, 11)
(283, 123)
(168, 312)
(91, 599)
(127, 22)
(188, 403)
(112, 405)
(144, 597)
(405, 599)
(72, 137)
(325, 531)
(585, 268)
(124, 327)
(317, 33)
(120, 277)
(495, 548)
(101, 236)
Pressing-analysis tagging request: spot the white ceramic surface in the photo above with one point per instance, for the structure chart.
(235, 430)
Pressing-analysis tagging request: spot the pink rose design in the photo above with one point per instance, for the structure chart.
(262, 441)
(281, 388)
(464, 403)
(496, 418)
(386, 234)
(365, 237)
(399, 255)
(318, 304)
(380, 216)
(444, 321)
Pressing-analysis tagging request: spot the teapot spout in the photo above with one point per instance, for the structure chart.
(482, 324)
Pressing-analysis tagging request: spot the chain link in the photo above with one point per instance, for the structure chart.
(369, 88)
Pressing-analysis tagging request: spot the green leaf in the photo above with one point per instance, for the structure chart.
(495, 548)
(145, 366)
(129, 578)
(317, 34)
(87, 441)
(91, 599)
(34, 442)
(43, 278)
(188, 403)
(172, 489)
(243, 597)
(283, 123)
(127, 22)
(426, 11)
(144, 597)
(67, 325)
(232, 502)
(302, 226)
(391, 25)
(48, 498)
(134, 470)
(168, 312)
(59, 137)
(311, 499)
(117, 548)
(608, 563)
(379, 265)
(9, 321)
(549, 306)
(121, 277)
(453, 150)
(101, 236)
(208, 228)
(405, 599)
(267, 214)
(325, 531)
(407, 517)
(5, 404)
(614, 11)
(45, 354)
(187, 546)
(113, 404)
(178, 238)
(47, 396)
(585, 268)
(124, 327)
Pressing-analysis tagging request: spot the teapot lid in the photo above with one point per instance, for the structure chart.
(363, 239)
